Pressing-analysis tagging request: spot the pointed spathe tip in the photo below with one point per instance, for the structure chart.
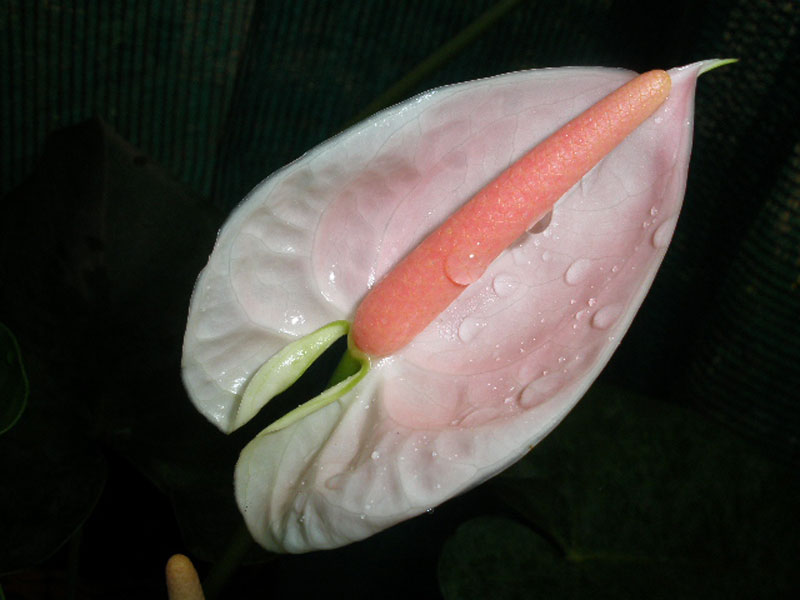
(714, 64)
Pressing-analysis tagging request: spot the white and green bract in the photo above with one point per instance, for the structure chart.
(494, 373)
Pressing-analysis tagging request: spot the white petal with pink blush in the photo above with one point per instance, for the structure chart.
(494, 373)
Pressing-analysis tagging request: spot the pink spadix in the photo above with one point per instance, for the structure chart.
(432, 275)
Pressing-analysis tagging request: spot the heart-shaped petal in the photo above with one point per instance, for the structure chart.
(494, 373)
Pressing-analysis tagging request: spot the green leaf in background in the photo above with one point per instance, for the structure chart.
(50, 480)
(103, 344)
(13, 382)
(632, 498)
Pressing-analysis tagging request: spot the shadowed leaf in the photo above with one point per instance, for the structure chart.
(13, 382)
(632, 498)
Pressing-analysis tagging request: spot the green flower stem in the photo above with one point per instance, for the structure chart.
(331, 394)
(234, 555)
(286, 367)
(349, 365)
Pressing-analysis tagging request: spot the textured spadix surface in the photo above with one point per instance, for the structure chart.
(499, 368)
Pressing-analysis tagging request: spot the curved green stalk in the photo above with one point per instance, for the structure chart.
(286, 367)
(348, 365)
(352, 358)
(234, 555)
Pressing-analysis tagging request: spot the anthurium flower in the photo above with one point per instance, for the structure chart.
(497, 366)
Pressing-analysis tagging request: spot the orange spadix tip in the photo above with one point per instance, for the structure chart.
(432, 275)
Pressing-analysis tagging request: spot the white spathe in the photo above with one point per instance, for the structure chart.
(499, 368)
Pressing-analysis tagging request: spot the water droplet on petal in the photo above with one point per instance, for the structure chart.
(663, 233)
(542, 223)
(591, 301)
(462, 268)
(578, 271)
(538, 391)
(606, 316)
(375, 455)
(504, 284)
(469, 328)
(294, 318)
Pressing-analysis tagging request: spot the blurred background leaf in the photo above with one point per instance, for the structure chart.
(631, 498)
(13, 382)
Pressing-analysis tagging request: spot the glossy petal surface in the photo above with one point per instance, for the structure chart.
(499, 368)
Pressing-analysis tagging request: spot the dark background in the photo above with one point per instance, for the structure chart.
(128, 129)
